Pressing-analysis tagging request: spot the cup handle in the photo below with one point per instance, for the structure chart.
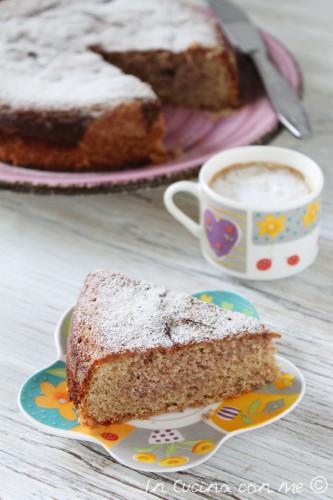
(185, 220)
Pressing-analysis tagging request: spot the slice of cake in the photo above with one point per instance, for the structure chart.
(136, 350)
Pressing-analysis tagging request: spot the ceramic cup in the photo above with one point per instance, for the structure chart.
(248, 241)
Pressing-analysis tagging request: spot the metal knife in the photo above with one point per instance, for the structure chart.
(243, 35)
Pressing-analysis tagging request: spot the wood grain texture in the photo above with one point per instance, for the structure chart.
(47, 246)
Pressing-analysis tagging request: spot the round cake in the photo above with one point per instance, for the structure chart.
(82, 82)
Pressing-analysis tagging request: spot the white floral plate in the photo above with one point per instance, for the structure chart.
(170, 442)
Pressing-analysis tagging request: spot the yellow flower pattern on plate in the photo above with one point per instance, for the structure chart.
(206, 298)
(145, 457)
(311, 213)
(204, 446)
(174, 461)
(284, 381)
(56, 397)
(271, 225)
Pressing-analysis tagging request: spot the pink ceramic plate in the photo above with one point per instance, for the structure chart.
(196, 133)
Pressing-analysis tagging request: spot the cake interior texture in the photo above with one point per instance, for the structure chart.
(157, 382)
(198, 78)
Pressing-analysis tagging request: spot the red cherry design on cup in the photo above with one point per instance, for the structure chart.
(293, 260)
(264, 264)
(109, 436)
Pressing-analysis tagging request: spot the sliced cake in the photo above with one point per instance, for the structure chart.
(74, 112)
(136, 350)
(81, 82)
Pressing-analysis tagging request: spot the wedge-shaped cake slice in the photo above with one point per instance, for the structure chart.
(136, 350)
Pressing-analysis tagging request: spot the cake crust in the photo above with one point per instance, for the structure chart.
(127, 135)
(119, 320)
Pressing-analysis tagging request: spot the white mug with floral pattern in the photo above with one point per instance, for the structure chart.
(248, 241)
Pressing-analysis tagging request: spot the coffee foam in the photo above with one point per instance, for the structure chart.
(260, 183)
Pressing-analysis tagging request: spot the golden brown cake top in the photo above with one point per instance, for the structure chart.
(117, 314)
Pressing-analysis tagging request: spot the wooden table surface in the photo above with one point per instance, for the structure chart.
(48, 244)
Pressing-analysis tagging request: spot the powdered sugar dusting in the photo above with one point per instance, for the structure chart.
(45, 55)
(118, 25)
(173, 25)
(119, 314)
(47, 80)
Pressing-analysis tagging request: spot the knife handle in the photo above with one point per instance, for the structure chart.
(284, 99)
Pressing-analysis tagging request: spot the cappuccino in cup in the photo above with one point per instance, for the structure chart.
(260, 183)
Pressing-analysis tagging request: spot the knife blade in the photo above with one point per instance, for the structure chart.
(243, 35)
